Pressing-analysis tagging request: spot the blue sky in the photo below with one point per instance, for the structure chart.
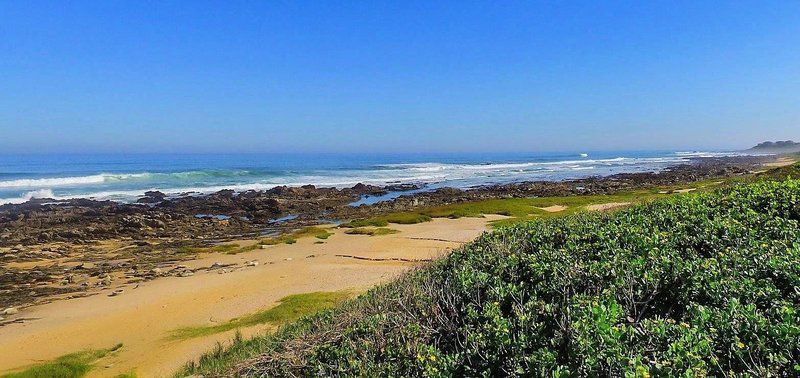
(273, 76)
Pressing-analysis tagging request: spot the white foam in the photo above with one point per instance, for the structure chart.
(102, 178)
(40, 193)
(70, 181)
(709, 154)
(49, 182)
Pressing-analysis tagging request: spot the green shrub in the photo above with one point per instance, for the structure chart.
(696, 285)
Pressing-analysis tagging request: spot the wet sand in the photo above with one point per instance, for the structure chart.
(143, 316)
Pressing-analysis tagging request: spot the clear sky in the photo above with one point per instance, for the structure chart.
(222, 76)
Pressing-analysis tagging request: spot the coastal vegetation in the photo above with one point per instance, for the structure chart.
(517, 209)
(69, 366)
(288, 238)
(371, 231)
(700, 284)
(383, 220)
(290, 308)
(291, 238)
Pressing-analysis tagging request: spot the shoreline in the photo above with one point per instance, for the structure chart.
(142, 317)
(71, 289)
(50, 251)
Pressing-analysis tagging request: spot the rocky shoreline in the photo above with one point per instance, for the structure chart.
(51, 249)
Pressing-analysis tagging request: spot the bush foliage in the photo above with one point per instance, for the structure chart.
(705, 284)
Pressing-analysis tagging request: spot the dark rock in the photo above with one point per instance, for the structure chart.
(152, 196)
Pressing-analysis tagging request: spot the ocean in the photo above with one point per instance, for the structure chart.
(126, 177)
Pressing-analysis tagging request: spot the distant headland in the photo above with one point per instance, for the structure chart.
(781, 146)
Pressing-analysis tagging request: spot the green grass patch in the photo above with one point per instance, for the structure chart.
(188, 250)
(289, 309)
(317, 232)
(225, 248)
(67, 366)
(230, 249)
(526, 209)
(384, 220)
(371, 231)
(131, 374)
(406, 218)
(518, 209)
(234, 248)
(513, 207)
(365, 223)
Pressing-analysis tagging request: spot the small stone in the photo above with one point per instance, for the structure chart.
(156, 271)
(10, 311)
(288, 259)
(251, 263)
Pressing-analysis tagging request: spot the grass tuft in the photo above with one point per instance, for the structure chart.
(365, 223)
(68, 366)
(384, 220)
(289, 309)
(371, 231)
(317, 232)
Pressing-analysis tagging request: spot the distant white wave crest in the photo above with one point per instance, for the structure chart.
(48, 182)
(67, 181)
(102, 178)
(709, 154)
(566, 164)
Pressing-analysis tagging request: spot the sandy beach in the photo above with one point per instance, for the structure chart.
(142, 317)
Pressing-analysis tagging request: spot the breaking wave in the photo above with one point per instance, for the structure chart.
(17, 188)
(103, 178)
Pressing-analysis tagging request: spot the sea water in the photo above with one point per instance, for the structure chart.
(126, 177)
